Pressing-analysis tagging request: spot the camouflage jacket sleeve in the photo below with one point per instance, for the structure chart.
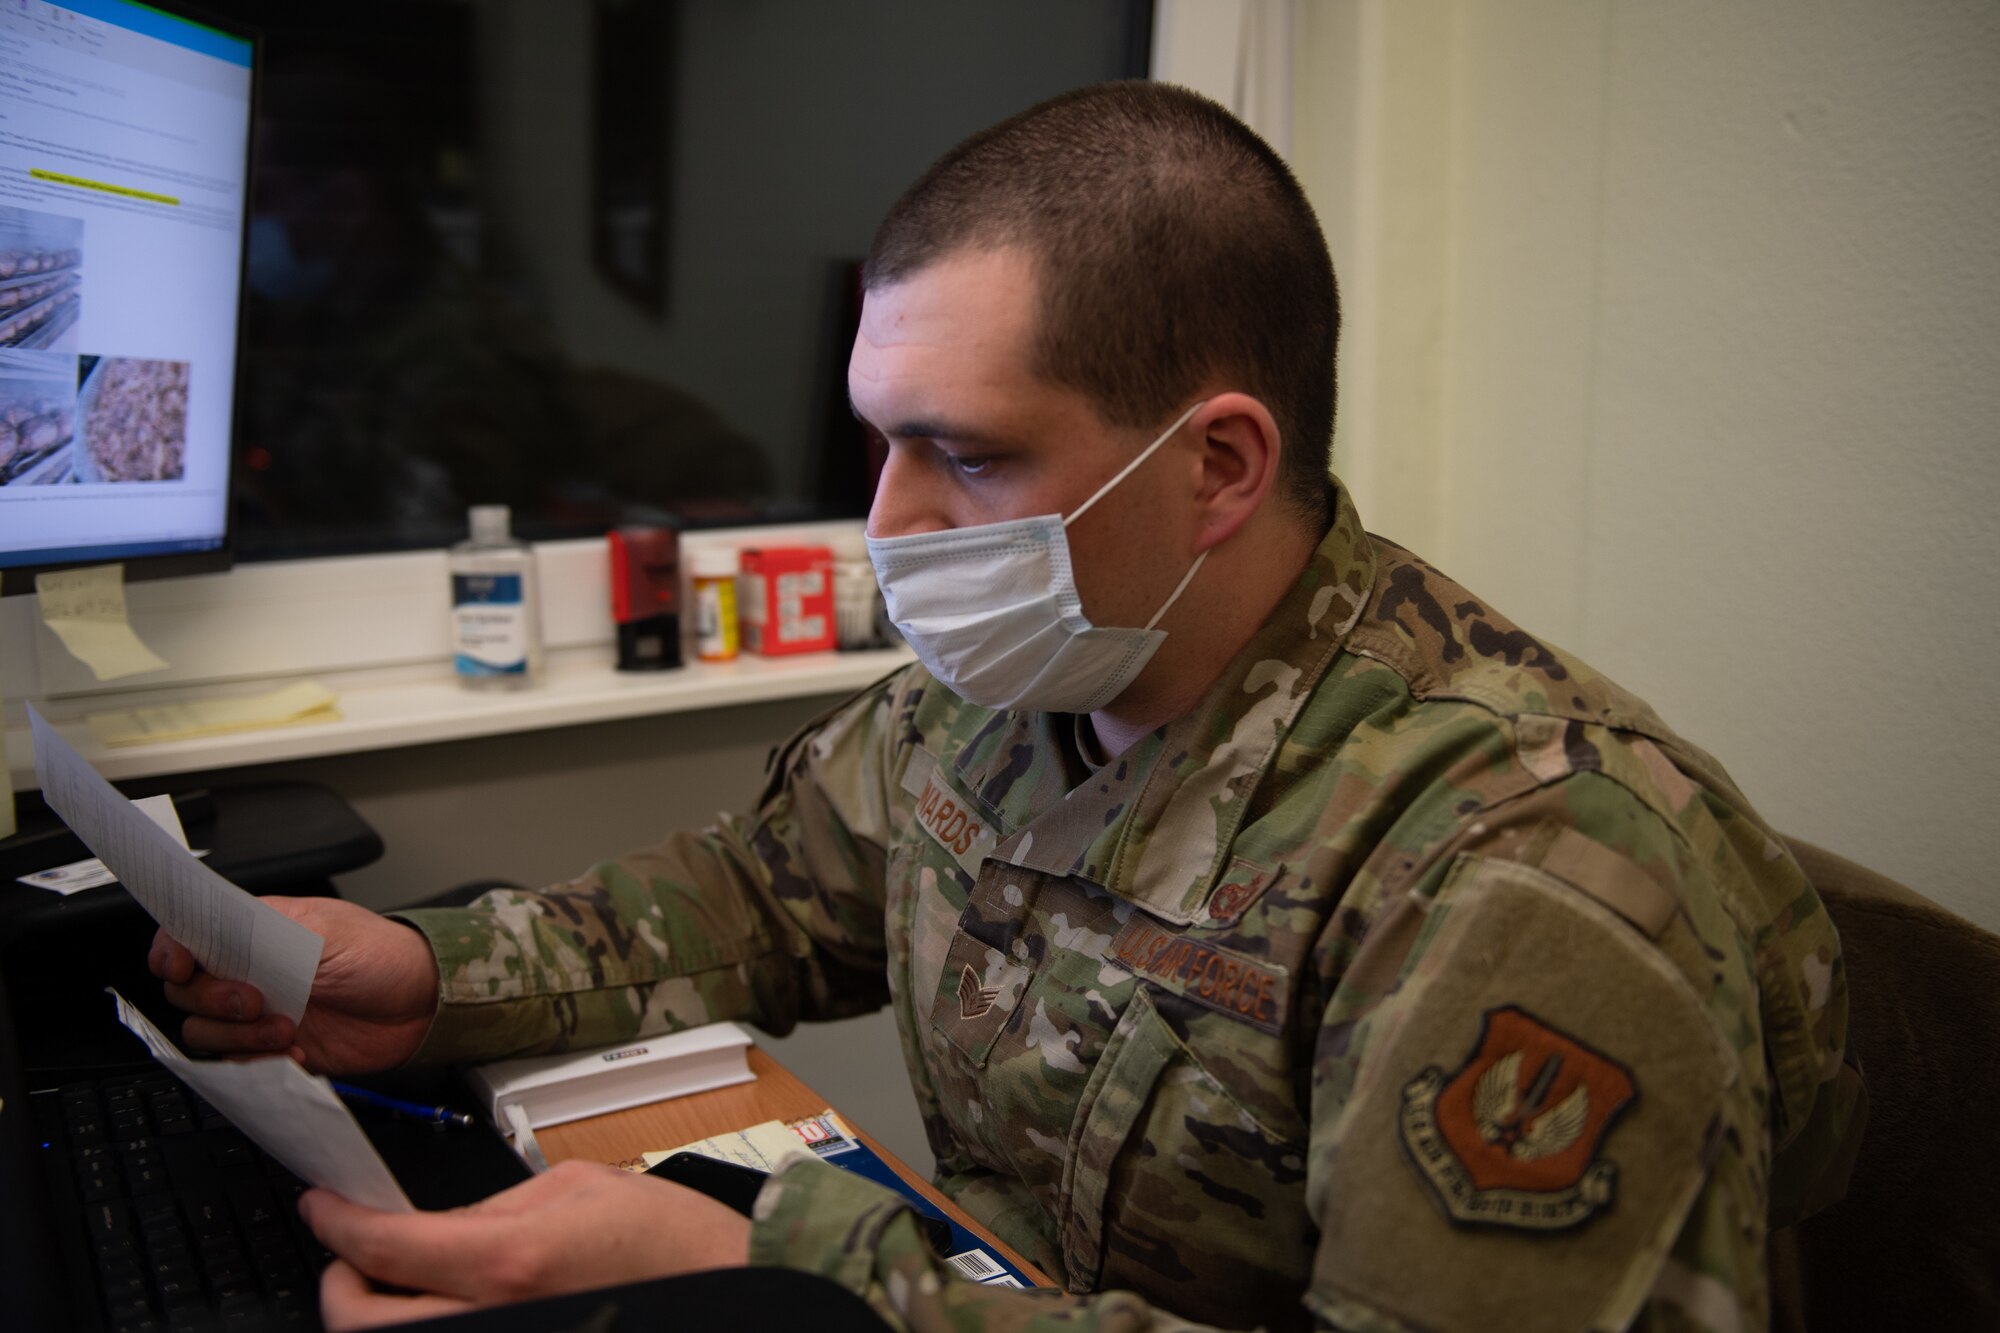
(1623, 1180)
(850, 1230)
(769, 918)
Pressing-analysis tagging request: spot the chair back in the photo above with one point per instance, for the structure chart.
(1915, 1242)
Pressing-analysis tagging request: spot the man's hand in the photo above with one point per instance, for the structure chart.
(372, 998)
(579, 1226)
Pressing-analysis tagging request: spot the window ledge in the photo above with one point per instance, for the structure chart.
(384, 709)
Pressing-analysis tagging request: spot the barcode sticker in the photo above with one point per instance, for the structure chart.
(977, 1265)
(1004, 1280)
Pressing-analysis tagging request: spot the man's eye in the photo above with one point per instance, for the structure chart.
(969, 465)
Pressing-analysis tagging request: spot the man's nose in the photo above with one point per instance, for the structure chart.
(906, 500)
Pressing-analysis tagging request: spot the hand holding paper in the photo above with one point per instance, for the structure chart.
(228, 931)
(291, 1115)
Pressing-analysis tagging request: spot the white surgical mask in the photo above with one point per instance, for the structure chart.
(993, 610)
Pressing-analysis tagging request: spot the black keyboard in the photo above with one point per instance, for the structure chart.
(190, 1225)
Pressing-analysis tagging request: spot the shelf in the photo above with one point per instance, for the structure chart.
(387, 709)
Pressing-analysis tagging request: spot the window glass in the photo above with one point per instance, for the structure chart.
(594, 260)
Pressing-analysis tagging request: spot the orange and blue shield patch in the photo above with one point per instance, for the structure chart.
(1513, 1136)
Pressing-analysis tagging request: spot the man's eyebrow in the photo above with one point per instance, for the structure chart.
(932, 429)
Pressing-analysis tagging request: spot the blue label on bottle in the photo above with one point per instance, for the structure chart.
(485, 588)
(489, 625)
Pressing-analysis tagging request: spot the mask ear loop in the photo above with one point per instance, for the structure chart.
(1127, 471)
(1179, 588)
(1132, 466)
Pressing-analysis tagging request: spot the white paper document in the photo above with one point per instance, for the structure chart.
(290, 1114)
(227, 930)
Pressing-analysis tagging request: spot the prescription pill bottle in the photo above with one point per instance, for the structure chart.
(712, 575)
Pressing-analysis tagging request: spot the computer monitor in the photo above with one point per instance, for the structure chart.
(124, 182)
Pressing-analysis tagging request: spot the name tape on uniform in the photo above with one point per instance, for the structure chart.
(1230, 983)
(954, 823)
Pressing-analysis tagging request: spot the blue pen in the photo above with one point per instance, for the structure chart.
(436, 1115)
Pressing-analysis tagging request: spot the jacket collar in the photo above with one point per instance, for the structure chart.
(1156, 824)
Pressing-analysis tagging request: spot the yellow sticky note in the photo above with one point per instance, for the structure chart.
(299, 704)
(86, 609)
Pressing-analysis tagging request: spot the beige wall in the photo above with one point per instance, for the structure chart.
(1675, 330)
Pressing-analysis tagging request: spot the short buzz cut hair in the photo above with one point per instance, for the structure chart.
(1172, 245)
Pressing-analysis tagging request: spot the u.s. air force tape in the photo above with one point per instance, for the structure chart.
(1231, 983)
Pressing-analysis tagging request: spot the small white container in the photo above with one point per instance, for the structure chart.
(856, 596)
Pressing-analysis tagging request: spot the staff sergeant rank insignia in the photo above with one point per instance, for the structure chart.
(1511, 1138)
(974, 1000)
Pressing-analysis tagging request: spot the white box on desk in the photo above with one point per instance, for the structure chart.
(552, 1089)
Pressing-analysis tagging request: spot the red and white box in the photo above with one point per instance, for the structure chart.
(786, 599)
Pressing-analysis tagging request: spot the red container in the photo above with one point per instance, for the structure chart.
(786, 599)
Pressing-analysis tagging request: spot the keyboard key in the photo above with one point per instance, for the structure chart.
(256, 1208)
(155, 1210)
(163, 1231)
(179, 1289)
(231, 1149)
(175, 1273)
(169, 1250)
(112, 1248)
(132, 1319)
(217, 1248)
(282, 1271)
(290, 1295)
(119, 1265)
(124, 1290)
(109, 1219)
(241, 1311)
(99, 1183)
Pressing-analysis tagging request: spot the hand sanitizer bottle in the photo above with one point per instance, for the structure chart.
(496, 629)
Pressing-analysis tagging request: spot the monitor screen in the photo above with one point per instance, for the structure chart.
(124, 161)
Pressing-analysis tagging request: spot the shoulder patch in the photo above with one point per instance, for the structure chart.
(1536, 1105)
(1513, 1136)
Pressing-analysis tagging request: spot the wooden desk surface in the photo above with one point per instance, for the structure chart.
(775, 1094)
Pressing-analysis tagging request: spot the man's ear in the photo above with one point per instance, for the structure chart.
(1240, 452)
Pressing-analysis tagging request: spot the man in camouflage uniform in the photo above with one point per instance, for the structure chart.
(1366, 964)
